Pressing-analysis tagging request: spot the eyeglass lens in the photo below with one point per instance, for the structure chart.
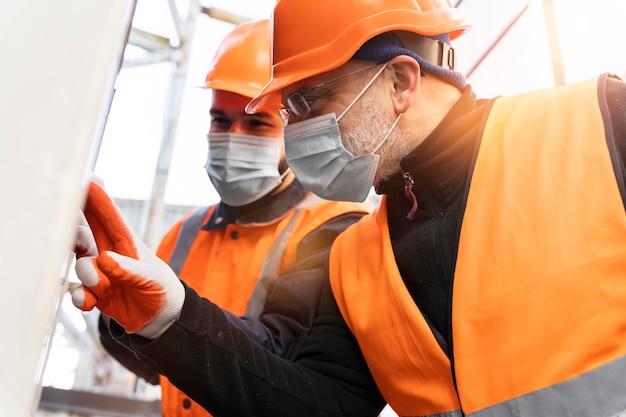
(300, 106)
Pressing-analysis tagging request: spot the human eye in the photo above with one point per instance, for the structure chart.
(256, 123)
(220, 122)
(261, 123)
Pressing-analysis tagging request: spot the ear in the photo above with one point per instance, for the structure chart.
(406, 81)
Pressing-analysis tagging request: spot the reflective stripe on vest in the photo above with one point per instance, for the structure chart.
(270, 266)
(192, 225)
(188, 231)
(596, 393)
(539, 316)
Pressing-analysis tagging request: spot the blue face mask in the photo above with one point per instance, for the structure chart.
(322, 164)
(243, 168)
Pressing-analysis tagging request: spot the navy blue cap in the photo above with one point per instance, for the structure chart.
(434, 53)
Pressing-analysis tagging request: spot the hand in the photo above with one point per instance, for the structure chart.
(123, 278)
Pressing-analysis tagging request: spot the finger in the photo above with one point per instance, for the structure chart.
(123, 268)
(86, 271)
(110, 229)
(137, 288)
(83, 298)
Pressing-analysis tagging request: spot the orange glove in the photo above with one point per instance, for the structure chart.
(124, 280)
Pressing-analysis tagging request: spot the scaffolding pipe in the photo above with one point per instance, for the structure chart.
(224, 16)
(496, 42)
(155, 209)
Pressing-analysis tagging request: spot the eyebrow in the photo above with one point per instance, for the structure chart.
(242, 113)
(263, 114)
(260, 115)
(214, 112)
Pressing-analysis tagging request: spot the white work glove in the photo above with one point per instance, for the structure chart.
(123, 278)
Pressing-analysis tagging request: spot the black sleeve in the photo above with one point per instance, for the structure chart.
(210, 358)
(129, 359)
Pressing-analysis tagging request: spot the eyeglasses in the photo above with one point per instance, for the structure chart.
(300, 105)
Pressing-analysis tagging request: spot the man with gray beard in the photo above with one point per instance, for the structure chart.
(498, 249)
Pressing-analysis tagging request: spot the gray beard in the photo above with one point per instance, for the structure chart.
(370, 128)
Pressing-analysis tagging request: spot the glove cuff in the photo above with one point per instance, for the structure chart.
(168, 316)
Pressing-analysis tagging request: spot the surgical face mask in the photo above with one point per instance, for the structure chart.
(322, 164)
(243, 168)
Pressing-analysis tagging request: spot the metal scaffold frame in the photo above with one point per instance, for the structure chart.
(160, 47)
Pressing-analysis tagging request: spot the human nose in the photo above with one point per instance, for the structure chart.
(237, 127)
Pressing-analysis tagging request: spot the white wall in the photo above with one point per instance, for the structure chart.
(59, 63)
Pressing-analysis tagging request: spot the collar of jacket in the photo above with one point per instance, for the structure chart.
(264, 211)
(440, 164)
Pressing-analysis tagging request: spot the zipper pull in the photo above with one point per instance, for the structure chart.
(408, 192)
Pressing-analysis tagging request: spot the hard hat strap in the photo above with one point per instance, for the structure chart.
(434, 51)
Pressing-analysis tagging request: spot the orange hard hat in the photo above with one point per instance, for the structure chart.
(241, 64)
(313, 37)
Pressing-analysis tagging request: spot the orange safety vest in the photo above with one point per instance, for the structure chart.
(539, 297)
(225, 265)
